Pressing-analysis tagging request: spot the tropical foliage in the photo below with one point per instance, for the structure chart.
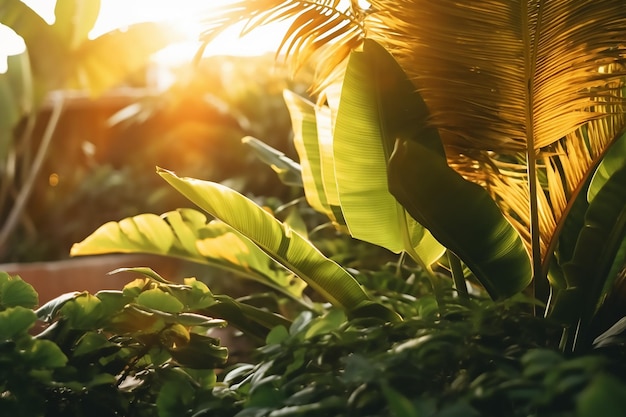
(484, 142)
(58, 56)
(145, 350)
(522, 98)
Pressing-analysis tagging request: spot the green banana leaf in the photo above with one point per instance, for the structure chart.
(614, 160)
(460, 214)
(74, 20)
(324, 118)
(598, 256)
(185, 234)
(313, 138)
(304, 125)
(16, 100)
(375, 107)
(287, 170)
(277, 239)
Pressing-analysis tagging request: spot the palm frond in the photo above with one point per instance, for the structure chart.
(325, 29)
(532, 81)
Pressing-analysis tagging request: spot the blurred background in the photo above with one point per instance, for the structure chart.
(92, 158)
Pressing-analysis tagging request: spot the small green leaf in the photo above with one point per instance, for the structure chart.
(157, 299)
(201, 352)
(605, 396)
(16, 292)
(83, 312)
(399, 405)
(175, 395)
(277, 335)
(48, 311)
(91, 342)
(113, 301)
(45, 354)
(195, 294)
(327, 323)
(15, 321)
(135, 319)
(135, 287)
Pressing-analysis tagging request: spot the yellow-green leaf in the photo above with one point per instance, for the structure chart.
(277, 239)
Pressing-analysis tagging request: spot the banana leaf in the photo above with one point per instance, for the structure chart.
(602, 235)
(287, 170)
(597, 257)
(461, 215)
(304, 125)
(185, 234)
(16, 100)
(277, 239)
(374, 108)
(313, 138)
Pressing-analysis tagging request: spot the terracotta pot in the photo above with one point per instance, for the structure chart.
(51, 279)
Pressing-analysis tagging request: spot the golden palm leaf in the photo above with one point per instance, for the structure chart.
(517, 79)
(514, 86)
(326, 29)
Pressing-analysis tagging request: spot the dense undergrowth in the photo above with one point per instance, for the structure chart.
(147, 351)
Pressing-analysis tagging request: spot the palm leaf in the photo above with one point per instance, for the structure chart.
(324, 27)
(520, 78)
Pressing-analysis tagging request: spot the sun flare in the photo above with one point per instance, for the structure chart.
(185, 16)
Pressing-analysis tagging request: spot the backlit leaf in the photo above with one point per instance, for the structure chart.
(159, 300)
(15, 321)
(289, 248)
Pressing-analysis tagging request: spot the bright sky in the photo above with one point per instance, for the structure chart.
(187, 13)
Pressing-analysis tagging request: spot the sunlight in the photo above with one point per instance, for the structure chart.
(10, 44)
(185, 15)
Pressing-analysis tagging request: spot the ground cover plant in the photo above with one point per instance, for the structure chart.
(482, 143)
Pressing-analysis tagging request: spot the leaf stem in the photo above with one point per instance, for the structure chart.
(530, 52)
(456, 268)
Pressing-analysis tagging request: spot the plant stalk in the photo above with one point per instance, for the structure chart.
(531, 154)
(26, 190)
(456, 269)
